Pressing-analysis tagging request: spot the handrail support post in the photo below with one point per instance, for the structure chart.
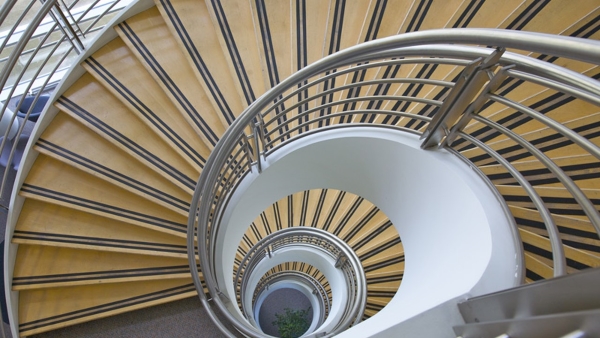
(259, 143)
(470, 82)
(474, 108)
(63, 24)
(341, 260)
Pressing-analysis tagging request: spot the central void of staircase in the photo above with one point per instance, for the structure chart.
(457, 238)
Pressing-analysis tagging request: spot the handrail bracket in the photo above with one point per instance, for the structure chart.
(470, 83)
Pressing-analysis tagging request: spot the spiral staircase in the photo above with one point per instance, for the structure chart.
(107, 216)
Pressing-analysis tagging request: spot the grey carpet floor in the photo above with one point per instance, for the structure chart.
(183, 318)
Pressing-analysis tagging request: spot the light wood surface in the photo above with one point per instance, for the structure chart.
(190, 24)
(43, 223)
(119, 71)
(103, 226)
(59, 267)
(48, 309)
(108, 117)
(55, 182)
(149, 38)
(69, 141)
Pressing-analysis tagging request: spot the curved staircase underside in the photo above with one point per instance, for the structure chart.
(105, 203)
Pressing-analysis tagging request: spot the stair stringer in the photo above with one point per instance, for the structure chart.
(30, 154)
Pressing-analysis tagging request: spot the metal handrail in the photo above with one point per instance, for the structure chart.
(49, 7)
(301, 277)
(427, 44)
(316, 239)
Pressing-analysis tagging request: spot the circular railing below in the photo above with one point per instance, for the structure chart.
(274, 120)
(326, 244)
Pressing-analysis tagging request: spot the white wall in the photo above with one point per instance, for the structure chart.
(445, 214)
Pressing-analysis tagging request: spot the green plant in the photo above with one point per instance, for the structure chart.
(293, 323)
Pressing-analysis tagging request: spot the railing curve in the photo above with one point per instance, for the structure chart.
(316, 239)
(59, 31)
(482, 71)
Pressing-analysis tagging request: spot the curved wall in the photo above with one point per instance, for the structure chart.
(451, 224)
(323, 263)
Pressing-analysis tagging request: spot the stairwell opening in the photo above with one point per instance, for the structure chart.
(454, 230)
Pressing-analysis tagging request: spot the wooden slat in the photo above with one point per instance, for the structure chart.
(149, 38)
(55, 182)
(117, 68)
(108, 117)
(45, 266)
(49, 309)
(42, 223)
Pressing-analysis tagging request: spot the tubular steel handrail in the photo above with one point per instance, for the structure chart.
(287, 113)
(56, 17)
(316, 239)
(300, 277)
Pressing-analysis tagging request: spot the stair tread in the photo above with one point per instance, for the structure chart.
(576, 166)
(148, 37)
(190, 23)
(538, 267)
(549, 135)
(570, 252)
(108, 117)
(233, 21)
(47, 309)
(560, 107)
(55, 182)
(69, 141)
(55, 225)
(46, 266)
(557, 199)
(118, 69)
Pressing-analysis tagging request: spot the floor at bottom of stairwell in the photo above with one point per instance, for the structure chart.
(181, 319)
